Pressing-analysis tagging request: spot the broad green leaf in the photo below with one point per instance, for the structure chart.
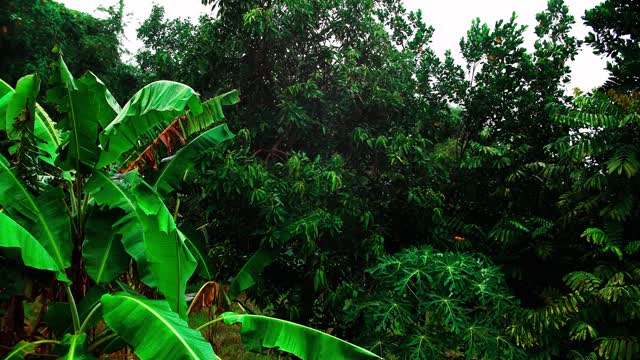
(195, 242)
(87, 104)
(31, 251)
(104, 256)
(77, 349)
(151, 108)
(45, 216)
(153, 330)
(250, 272)
(262, 332)
(44, 128)
(22, 105)
(170, 261)
(211, 114)
(117, 193)
(170, 176)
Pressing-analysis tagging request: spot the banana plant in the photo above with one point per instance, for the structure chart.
(86, 195)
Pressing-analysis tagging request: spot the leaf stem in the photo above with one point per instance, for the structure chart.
(218, 319)
(85, 323)
(74, 309)
(100, 341)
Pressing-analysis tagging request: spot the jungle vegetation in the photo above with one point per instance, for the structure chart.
(309, 178)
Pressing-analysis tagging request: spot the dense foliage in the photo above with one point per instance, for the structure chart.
(375, 191)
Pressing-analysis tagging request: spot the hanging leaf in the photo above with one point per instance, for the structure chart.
(45, 216)
(212, 113)
(195, 241)
(251, 271)
(21, 107)
(33, 254)
(153, 330)
(169, 178)
(104, 256)
(152, 108)
(262, 332)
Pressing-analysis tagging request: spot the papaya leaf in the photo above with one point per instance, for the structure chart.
(262, 332)
(153, 330)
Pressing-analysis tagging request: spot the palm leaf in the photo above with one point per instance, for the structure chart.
(46, 215)
(260, 332)
(151, 108)
(171, 175)
(153, 330)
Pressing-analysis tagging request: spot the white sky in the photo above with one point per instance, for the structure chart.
(450, 18)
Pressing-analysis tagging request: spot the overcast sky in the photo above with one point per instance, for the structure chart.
(450, 18)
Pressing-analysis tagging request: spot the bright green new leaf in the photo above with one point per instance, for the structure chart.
(104, 256)
(250, 272)
(153, 330)
(172, 173)
(262, 332)
(153, 107)
(22, 105)
(45, 216)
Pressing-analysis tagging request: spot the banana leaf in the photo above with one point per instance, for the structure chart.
(153, 330)
(170, 261)
(104, 256)
(196, 243)
(33, 254)
(58, 315)
(21, 106)
(44, 128)
(88, 105)
(250, 272)
(262, 332)
(170, 176)
(117, 193)
(212, 113)
(151, 108)
(44, 216)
